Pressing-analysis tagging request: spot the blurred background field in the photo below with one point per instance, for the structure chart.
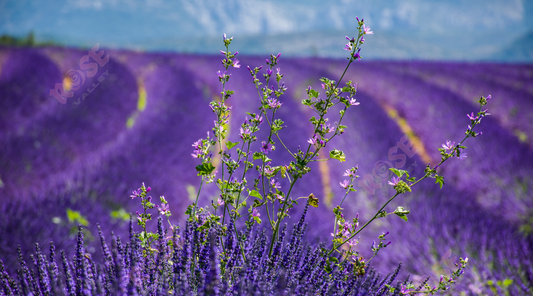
(423, 70)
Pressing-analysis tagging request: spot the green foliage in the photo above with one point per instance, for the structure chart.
(337, 154)
(401, 212)
(205, 169)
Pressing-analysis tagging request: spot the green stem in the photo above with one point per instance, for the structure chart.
(278, 221)
(196, 201)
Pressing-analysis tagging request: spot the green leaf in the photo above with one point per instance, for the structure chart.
(120, 214)
(254, 193)
(507, 282)
(337, 154)
(205, 169)
(399, 173)
(189, 210)
(314, 93)
(439, 180)
(257, 204)
(230, 144)
(76, 217)
(401, 212)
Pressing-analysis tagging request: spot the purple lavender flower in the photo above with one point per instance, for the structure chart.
(244, 133)
(163, 209)
(356, 55)
(313, 140)
(135, 193)
(449, 145)
(366, 30)
(274, 103)
(275, 184)
(471, 116)
(344, 184)
(265, 147)
(353, 242)
(352, 101)
(348, 46)
(395, 181)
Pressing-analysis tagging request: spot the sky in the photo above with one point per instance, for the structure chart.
(403, 29)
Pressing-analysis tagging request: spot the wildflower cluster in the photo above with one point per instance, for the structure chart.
(267, 192)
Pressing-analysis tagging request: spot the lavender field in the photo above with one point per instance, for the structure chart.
(61, 164)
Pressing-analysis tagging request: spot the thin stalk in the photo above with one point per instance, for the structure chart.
(278, 222)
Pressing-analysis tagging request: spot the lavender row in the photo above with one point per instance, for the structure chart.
(191, 262)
